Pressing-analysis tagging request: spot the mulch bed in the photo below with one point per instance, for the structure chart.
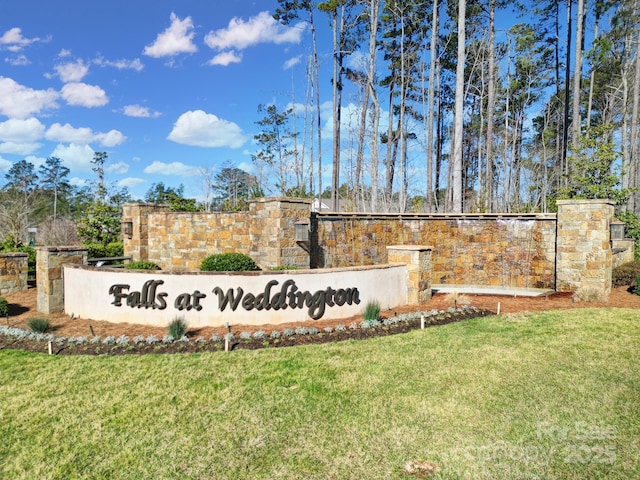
(23, 307)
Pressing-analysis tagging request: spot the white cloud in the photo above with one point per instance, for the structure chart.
(119, 167)
(13, 40)
(83, 95)
(262, 28)
(64, 53)
(19, 148)
(83, 136)
(139, 111)
(201, 129)
(110, 139)
(18, 101)
(37, 161)
(121, 64)
(174, 169)
(5, 164)
(225, 59)
(72, 71)
(78, 182)
(69, 134)
(18, 61)
(19, 137)
(131, 182)
(178, 38)
(292, 62)
(76, 157)
(21, 131)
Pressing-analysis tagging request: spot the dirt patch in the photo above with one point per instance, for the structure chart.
(23, 306)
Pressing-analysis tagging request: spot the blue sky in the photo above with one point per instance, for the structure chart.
(166, 88)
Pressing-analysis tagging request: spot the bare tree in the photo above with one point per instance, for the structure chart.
(456, 173)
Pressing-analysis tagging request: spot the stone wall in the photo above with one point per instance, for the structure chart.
(493, 250)
(49, 278)
(13, 272)
(417, 258)
(499, 250)
(180, 241)
(584, 256)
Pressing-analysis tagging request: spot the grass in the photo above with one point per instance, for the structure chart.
(544, 395)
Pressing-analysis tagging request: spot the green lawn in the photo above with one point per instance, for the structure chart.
(544, 395)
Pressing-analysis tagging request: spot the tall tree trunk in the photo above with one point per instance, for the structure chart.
(456, 174)
(371, 86)
(634, 171)
(567, 76)
(577, 75)
(491, 104)
(430, 107)
(335, 174)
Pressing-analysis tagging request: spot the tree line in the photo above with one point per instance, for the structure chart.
(451, 111)
(40, 205)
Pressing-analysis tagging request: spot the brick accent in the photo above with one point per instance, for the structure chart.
(49, 261)
(419, 269)
(13, 272)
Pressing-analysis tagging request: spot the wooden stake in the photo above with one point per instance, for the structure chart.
(50, 348)
(498, 313)
(421, 321)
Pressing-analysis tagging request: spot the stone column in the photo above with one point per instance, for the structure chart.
(272, 231)
(137, 214)
(14, 267)
(584, 257)
(49, 262)
(419, 269)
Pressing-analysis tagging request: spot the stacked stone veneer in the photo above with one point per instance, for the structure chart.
(13, 272)
(501, 250)
(584, 259)
(180, 241)
(419, 265)
(49, 262)
(492, 250)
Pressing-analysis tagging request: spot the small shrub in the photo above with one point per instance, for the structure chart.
(340, 328)
(285, 267)
(626, 274)
(274, 334)
(313, 331)
(287, 332)
(142, 265)
(109, 340)
(371, 310)
(215, 338)
(636, 289)
(4, 307)
(228, 262)
(39, 325)
(178, 327)
(245, 336)
(302, 330)
(167, 339)
(260, 334)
